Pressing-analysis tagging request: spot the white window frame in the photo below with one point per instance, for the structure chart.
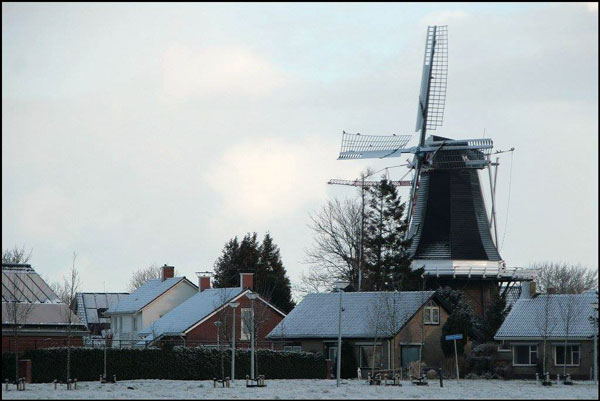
(428, 313)
(568, 354)
(532, 350)
(292, 348)
(245, 334)
(120, 324)
(134, 323)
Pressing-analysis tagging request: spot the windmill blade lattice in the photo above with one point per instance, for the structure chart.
(434, 79)
(357, 146)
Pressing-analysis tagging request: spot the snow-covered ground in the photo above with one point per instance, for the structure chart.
(297, 389)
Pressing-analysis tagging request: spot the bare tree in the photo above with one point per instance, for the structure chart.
(315, 281)
(334, 254)
(565, 278)
(545, 324)
(394, 317)
(224, 315)
(377, 323)
(142, 275)
(18, 310)
(568, 312)
(71, 284)
(16, 255)
(262, 314)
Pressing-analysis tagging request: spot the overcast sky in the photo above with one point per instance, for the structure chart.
(135, 134)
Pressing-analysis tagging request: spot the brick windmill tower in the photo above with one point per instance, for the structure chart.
(453, 237)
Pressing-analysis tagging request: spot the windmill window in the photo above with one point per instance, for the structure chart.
(432, 313)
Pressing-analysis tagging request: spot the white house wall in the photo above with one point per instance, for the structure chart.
(167, 301)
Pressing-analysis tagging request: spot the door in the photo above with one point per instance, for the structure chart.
(409, 354)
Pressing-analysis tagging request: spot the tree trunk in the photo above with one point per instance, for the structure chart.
(372, 358)
(16, 356)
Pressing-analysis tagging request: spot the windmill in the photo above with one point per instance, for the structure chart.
(450, 229)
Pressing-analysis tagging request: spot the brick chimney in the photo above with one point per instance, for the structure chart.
(247, 280)
(203, 281)
(167, 272)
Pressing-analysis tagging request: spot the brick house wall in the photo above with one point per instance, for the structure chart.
(35, 342)
(411, 333)
(207, 331)
(581, 372)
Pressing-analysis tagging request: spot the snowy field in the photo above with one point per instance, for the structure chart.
(298, 389)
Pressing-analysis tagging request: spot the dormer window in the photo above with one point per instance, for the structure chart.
(432, 313)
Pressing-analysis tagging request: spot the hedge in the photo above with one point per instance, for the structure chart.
(180, 363)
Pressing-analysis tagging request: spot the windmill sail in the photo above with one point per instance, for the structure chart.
(357, 146)
(433, 81)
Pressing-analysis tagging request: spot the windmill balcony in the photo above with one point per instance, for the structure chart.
(470, 269)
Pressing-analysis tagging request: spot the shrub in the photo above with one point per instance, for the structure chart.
(180, 363)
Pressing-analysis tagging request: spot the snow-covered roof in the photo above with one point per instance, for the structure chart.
(190, 312)
(91, 305)
(317, 314)
(526, 319)
(22, 283)
(145, 294)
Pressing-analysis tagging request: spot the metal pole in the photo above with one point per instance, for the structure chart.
(456, 357)
(252, 345)
(105, 340)
(339, 349)
(362, 228)
(233, 348)
(596, 353)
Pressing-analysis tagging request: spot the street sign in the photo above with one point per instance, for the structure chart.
(454, 337)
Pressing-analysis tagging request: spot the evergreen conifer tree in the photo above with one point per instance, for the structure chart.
(386, 260)
(264, 260)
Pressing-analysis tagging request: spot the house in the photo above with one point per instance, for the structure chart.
(90, 307)
(33, 309)
(557, 317)
(146, 305)
(391, 320)
(192, 323)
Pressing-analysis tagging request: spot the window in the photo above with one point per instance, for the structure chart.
(524, 355)
(333, 355)
(572, 355)
(120, 324)
(292, 348)
(366, 356)
(432, 313)
(134, 323)
(246, 315)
